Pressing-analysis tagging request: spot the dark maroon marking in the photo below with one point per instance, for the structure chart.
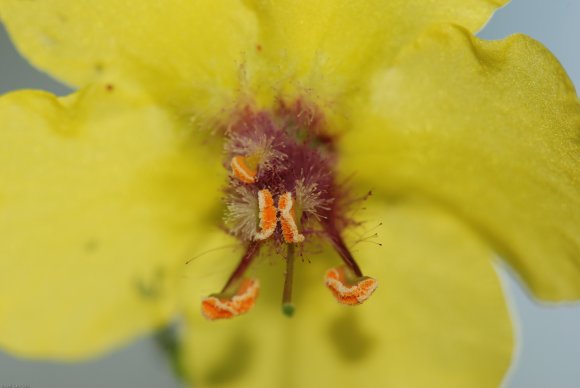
(340, 247)
(249, 255)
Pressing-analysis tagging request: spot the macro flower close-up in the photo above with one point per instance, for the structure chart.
(309, 193)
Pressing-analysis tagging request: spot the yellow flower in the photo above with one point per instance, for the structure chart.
(470, 147)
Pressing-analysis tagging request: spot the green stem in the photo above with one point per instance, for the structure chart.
(287, 306)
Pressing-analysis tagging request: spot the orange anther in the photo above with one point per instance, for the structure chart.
(242, 171)
(349, 293)
(216, 307)
(267, 215)
(288, 219)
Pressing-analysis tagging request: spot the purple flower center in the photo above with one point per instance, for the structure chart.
(283, 192)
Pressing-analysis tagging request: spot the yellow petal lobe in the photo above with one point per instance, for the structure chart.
(102, 197)
(490, 131)
(327, 49)
(187, 53)
(209, 51)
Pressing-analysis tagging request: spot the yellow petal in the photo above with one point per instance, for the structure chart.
(489, 130)
(101, 199)
(185, 51)
(208, 51)
(326, 48)
(438, 317)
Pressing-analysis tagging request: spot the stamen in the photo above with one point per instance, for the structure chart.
(287, 306)
(219, 307)
(290, 153)
(242, 171)
(348, 289)
(238, 295)
(288, 219)
(267, 215)
(343, 251)
(241, 269)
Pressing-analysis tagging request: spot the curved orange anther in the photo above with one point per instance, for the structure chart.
(288, 219)
(267, 215)
(349, 293)
(242, 171)
(216, 307)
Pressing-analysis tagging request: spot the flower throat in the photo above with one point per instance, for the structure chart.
(282, 192)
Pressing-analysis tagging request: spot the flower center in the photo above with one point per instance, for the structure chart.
(282, 191)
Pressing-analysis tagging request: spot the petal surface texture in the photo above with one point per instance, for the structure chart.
(328, 48)
(203, 50)
(100, 201)
(438, 317)
(490, 131)
(185, 52)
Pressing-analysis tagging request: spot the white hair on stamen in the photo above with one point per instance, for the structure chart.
(241, 214)
(308, 197)
(262, 147)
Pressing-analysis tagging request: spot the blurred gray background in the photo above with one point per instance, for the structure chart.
(548, 354)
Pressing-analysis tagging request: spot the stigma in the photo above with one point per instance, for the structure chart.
(283, 192)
